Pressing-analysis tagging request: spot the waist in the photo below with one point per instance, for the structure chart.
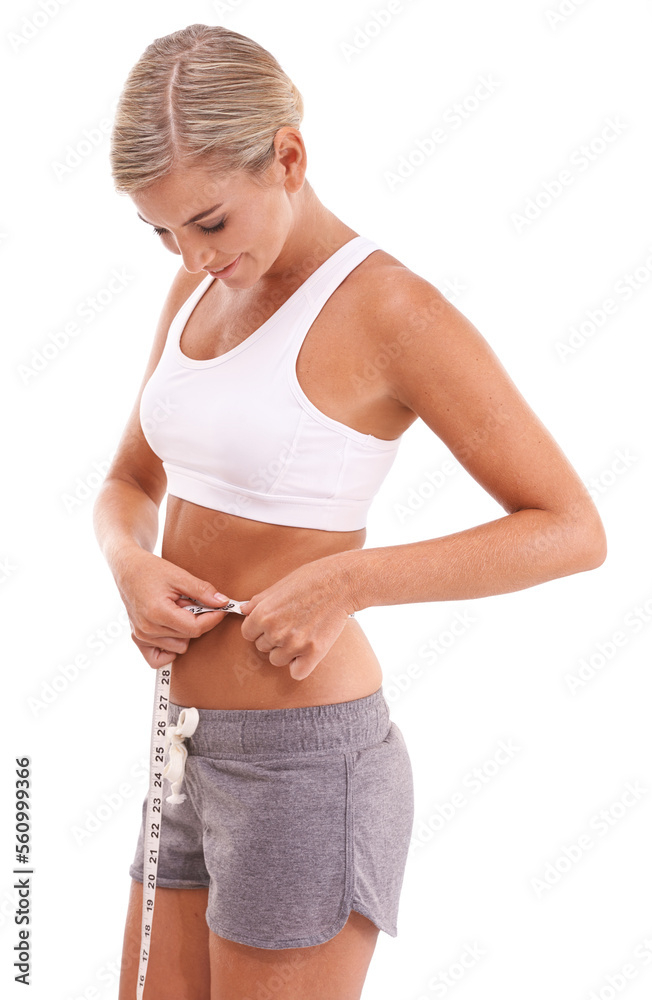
(222, 670)
(241, 557)
(344, 726)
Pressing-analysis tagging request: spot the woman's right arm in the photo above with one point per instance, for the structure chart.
(125, 518)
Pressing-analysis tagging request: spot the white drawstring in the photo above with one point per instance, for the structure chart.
(175, 768)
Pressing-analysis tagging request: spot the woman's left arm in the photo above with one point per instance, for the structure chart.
(446, 373)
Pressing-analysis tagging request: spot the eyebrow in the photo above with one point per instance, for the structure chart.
(195, 218)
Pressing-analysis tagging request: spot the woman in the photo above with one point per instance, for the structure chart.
(270, 413)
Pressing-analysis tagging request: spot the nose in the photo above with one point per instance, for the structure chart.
(195, 258)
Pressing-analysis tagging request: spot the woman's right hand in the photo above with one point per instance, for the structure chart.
(150, 588)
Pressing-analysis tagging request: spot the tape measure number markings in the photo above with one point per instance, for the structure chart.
(151, 839)
(152, 830)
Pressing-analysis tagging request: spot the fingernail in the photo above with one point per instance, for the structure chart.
(220, 597)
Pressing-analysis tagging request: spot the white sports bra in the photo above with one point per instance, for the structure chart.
(237, 433)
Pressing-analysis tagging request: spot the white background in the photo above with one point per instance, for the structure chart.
(371, 94)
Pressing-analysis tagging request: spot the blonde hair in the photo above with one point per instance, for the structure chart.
(203, 95)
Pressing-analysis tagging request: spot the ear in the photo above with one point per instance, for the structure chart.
(291, 157)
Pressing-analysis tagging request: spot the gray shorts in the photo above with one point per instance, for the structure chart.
(293, 817)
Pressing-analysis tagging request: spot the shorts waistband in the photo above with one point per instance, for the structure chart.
(345, 725)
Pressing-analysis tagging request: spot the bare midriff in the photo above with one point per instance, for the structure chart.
(241, 557)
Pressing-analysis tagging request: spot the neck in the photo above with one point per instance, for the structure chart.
(314, 235)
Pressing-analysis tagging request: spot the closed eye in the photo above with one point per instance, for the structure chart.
(212, 229)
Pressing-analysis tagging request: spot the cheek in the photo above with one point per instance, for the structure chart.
(264, 216)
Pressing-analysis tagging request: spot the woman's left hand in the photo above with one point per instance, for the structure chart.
(299, 617)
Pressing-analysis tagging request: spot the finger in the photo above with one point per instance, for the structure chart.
(280, 656)
(200, 590)
(186, 600)
(160, 658)
(251, 630)
(209, 620)
(189, 602)
(170, 644)
(301, 667)
(155, 656)
(199, 624)
(180, 623)
(264, 645)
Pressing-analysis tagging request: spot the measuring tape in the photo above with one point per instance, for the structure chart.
(162, 740)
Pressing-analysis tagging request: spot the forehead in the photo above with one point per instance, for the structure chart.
(188, 191)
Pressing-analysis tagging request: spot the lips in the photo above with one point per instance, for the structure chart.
(221, 270)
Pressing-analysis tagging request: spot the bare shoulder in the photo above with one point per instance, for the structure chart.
(439, 366)
(428, 338)
(390, 292)
(381, 266)
(397, 310)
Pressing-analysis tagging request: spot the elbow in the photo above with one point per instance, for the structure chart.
(590, 548)
(596, 549)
